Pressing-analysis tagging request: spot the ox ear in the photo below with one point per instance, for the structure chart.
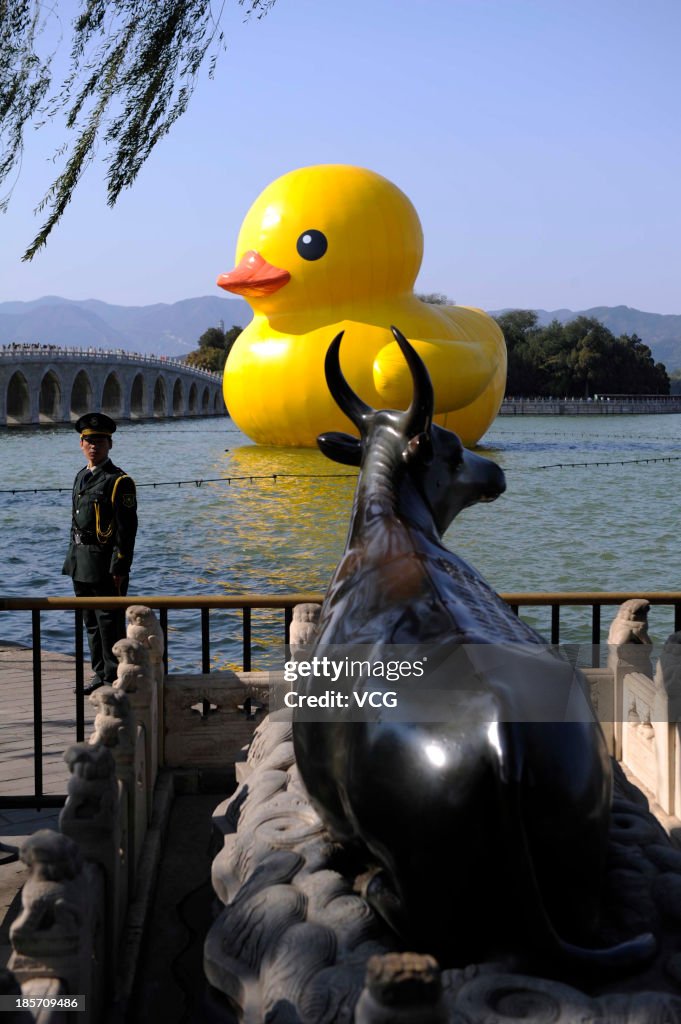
(419, 449)
(341, 447)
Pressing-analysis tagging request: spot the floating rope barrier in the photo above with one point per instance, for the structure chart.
(613, 462)
(274, 477)
(197, 482)
(199, 430)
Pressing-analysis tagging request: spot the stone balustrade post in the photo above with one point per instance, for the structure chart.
(629, 650)
(58, 932)
(92, 817)
(404, 987)
(115, 727)
(303, 627)
(144, 628)
(668, 713)
(135, 679)
(9, 986)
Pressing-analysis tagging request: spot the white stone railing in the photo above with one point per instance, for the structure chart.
(648, 726)
(118, 355)
(83, 879)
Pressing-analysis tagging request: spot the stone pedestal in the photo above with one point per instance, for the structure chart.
(296, 936)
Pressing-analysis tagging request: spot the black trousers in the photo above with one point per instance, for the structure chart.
(104, 626)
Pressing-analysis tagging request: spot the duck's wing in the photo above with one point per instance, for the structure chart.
(471, 422)
(463, 364)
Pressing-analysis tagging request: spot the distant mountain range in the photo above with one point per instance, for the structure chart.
(171, 329)
(174, 329)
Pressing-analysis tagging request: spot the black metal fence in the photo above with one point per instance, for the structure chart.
(556, 602)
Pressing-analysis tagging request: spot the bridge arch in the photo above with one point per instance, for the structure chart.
(49, 398)
(160, 397)
(81, 395)
(18, 399)
(178, 397)
(112, 395)
(43, 384)
(137, 397)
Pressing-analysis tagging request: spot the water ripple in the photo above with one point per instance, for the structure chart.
(582, 528)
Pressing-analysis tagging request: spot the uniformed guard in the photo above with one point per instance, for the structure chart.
(103, 528)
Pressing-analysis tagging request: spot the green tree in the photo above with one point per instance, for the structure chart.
(519, 327)
(214, 346)
(576, 359)
(214, 337)
(435, 298)
(633, 369)
(675, 382)
(230, 337)
(133, 68)
(587, 344)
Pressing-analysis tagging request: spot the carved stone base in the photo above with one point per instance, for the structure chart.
(296, 936)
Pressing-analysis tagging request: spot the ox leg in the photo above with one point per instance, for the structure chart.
(382, 897)
(564, 813)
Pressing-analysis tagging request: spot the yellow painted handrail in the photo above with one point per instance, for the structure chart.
(162, 601)
(521, 598)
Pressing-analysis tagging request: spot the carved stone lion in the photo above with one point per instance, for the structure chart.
(52, 897)
(133, 665)
(629, 644)
(92, 791)
(143, 626)
(113, 724)
(303, 626)
(630, 625)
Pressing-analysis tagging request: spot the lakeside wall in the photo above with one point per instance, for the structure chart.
(639, 405)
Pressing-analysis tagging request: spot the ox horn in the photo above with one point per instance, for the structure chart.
(345, 398)
(420, 412)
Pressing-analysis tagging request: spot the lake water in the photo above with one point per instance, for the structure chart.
(562, 525)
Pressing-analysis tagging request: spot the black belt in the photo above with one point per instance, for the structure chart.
(83, 537)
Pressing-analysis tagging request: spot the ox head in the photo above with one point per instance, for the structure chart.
(446, 475)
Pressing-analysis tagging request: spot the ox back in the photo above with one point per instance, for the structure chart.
(488, 826)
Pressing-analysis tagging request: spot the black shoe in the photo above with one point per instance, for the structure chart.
(8, 854)
(93, 685)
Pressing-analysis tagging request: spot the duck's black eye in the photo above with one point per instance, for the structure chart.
(312, 245)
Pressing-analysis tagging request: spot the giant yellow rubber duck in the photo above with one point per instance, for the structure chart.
(335, 247)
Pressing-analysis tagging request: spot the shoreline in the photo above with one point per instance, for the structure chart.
(626, 406)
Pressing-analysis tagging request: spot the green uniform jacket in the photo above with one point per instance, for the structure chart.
(104, 524)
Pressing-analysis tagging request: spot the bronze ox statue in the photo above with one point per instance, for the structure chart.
(489, 827)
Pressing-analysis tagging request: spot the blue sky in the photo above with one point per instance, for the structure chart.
(538, 139)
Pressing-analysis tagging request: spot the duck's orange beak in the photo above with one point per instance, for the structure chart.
(253, 276)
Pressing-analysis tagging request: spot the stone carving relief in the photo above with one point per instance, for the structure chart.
(133, 665)
(630, 625)
(668, 673)
(92, 788)
(114, 725)
(143, 627)
(303, 627)
(297, 933)
(53, 900)
(629, 643)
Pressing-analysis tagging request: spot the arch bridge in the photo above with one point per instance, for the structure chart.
(46, 384)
